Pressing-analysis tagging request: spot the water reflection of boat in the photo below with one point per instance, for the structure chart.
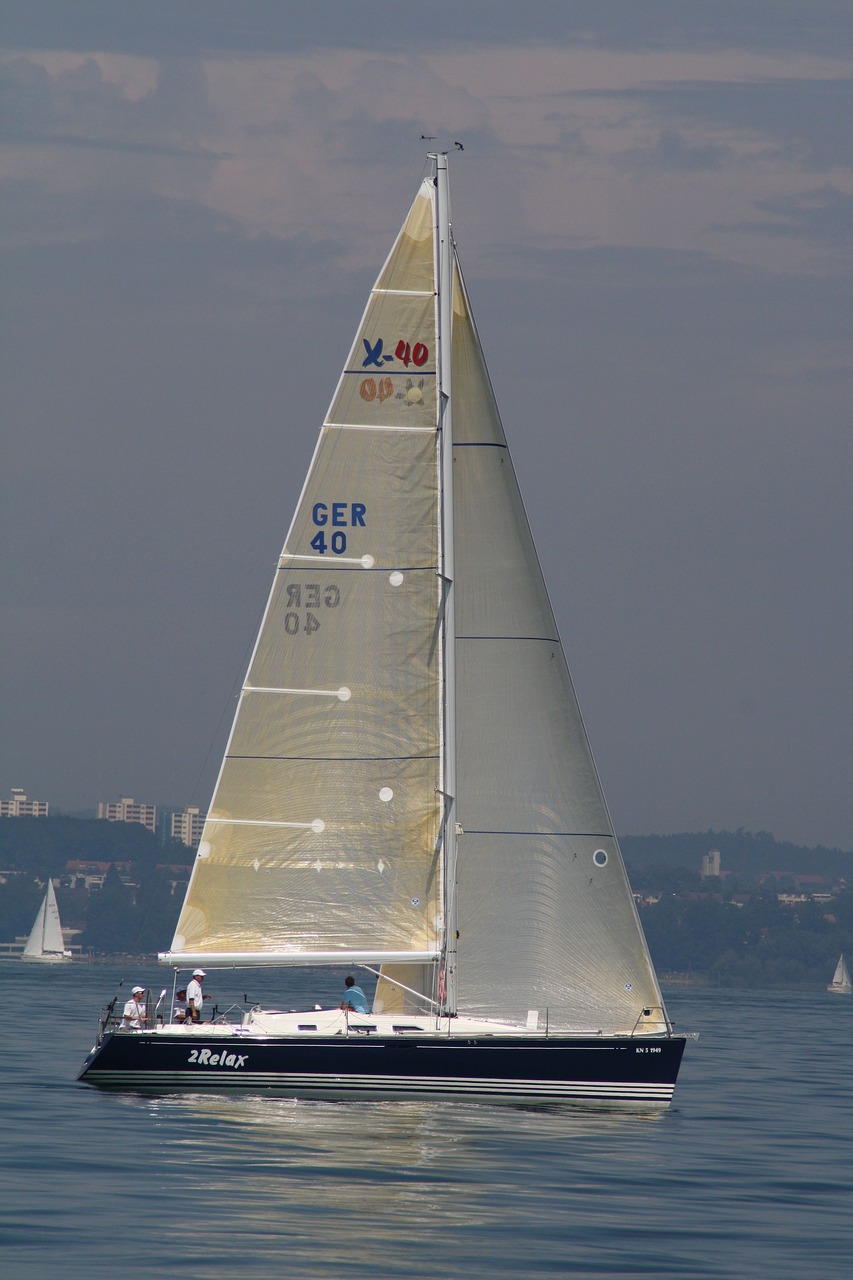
(411, 1170)
(408, 785)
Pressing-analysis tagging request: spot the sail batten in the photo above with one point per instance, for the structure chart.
(317, 693)
(257, 822)
(380, 426)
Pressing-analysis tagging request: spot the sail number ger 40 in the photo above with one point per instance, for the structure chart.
(340, 516)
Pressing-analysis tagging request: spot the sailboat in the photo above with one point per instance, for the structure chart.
(841, 983)
(407, 788)
(45, 943)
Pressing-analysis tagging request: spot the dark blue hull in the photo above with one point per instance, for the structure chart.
(616, 1071)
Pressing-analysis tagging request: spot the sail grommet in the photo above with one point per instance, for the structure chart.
(600, 858)
(344, 694)
(396, 578)
(386, 794)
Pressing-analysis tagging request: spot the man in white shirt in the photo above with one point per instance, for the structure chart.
(134, 1010)
(195, 996)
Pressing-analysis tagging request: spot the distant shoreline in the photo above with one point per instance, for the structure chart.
(674, 979)
(688, 979)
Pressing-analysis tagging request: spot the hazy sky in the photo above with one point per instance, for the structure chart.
(653, 212)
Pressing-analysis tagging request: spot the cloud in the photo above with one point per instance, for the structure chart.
(80, 104)
(823, 215)
(803, 119)
(203, 28)
(675, 151)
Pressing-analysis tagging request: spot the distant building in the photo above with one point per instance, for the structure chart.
(20, 807)
(88, 874)
(127, 810)
(711, 864)
(187, 826)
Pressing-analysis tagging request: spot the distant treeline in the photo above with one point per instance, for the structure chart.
(44, 845)
(734, 931)
(756, 943)
(115, 918)
(695, 927)
(745, 853)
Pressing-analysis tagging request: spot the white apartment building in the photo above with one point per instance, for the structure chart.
(20, 807)
(711, 864)
(187, 826)
(128, 810)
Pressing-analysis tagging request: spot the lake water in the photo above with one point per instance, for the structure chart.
(748, 1176)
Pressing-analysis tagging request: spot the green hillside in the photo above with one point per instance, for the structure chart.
(731, 931)
(746, 853)
(43, 846)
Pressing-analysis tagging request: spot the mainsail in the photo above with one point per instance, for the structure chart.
(328, 834)
(321, 841)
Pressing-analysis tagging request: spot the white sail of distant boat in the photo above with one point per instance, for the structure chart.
(841, 983)
(408, 785)
(45, 942)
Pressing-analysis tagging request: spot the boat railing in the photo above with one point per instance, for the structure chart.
(234, 1015)
(657, 1013)
(112, 1015)
(109, 1020)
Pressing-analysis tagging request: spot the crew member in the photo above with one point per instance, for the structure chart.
(354, 998)
(134, 1011)
(195, 996)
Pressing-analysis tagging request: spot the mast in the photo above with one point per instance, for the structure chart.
(444, 326)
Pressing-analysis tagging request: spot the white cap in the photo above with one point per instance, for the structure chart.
(199, 973)
(138, 991)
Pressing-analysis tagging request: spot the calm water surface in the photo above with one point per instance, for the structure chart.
(748, 1176)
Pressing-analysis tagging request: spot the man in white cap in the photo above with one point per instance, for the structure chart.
(195, 996)
(134, 1010)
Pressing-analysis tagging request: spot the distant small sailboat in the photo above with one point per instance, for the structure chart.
(45, 943)
(841, 984)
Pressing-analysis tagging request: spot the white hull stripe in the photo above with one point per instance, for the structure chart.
(200, 1080)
